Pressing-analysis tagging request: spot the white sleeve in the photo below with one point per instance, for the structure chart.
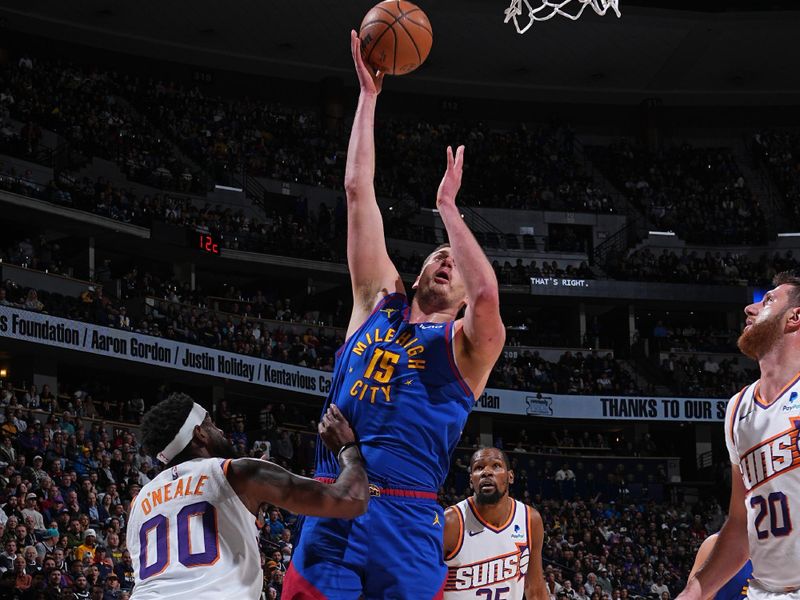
(730, 426)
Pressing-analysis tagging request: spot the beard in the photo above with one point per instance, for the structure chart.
(432, 296)
(761, 337)
(222, 448)
(492, 498)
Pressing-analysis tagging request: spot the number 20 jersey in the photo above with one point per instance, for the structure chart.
(191, 537)
(398, 385)
(763, 441)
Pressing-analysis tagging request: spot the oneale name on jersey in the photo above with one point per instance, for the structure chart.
(184, 486)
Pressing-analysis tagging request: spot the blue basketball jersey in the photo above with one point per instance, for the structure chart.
(736, 588)
(398, 385)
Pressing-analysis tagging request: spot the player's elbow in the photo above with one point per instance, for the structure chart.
(353, 505)
(351, 187)
(360, 505)
(354, 185)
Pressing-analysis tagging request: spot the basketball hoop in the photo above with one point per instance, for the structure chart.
(550, 9)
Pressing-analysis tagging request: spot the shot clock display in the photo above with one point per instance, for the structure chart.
(207, 243)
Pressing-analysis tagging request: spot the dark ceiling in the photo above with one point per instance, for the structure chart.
(707, 55)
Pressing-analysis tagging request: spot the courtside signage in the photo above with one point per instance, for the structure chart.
(20, 324)
(38, 328)
(626, 408)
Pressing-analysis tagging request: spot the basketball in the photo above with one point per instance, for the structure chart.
(396, 37)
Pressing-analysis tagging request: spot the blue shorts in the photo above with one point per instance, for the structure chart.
(394, 550)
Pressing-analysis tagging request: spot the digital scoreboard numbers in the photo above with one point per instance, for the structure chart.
(207, 243)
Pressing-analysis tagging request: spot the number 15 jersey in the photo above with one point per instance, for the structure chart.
(763, 441)
(398, 385)
(191, 537)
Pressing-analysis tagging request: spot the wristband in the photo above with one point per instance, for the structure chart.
(343, 448)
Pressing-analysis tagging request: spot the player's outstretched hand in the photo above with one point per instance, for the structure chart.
(334, 429)
(451, 182)
(371, 81)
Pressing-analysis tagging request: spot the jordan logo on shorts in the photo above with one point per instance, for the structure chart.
(436, 519)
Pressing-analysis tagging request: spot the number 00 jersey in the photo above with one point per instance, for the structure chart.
(763, 441)
(191, 537)
(489, 558)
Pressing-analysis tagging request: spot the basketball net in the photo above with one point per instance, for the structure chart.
(550, 9)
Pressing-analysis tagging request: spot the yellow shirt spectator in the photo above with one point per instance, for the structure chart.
(88, 546)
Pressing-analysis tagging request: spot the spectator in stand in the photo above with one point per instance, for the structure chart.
(565, 473)
(647, 264)
(47, 545)
(32, 302)
(30, 511)
(8, 555)
(700, 193)
(17, 581)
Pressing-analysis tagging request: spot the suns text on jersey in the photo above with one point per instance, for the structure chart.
(771, 457)
(375, 382)
(488, 572)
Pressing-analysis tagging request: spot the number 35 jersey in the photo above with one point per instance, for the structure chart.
(763, 441)
(191, 537)
(398, 385)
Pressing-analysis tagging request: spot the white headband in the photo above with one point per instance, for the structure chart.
(184, 436)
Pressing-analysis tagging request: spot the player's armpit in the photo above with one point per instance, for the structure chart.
(258, 482)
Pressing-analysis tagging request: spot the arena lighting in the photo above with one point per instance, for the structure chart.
(227, 188)
(664, 233)
(3, 373)
(790, 234)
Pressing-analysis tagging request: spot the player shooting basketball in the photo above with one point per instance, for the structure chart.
(762, 424)
(406, 379)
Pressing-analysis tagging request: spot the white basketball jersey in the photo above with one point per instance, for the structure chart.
(763, 441)
(191, 537)
(489, 558)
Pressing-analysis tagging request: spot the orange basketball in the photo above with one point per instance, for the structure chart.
(396, 37)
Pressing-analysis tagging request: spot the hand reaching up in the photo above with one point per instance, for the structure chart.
(371, 81)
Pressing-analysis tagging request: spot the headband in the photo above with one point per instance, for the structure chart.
(184, 436)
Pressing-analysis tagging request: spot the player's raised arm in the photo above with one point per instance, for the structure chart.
(483, 330)
(729, 553)
(371, 269)
(535, 587)
(258, 481)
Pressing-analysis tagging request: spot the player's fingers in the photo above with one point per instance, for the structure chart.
(355, 47)
(449, 156)
(335, 412)
(460, 155)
